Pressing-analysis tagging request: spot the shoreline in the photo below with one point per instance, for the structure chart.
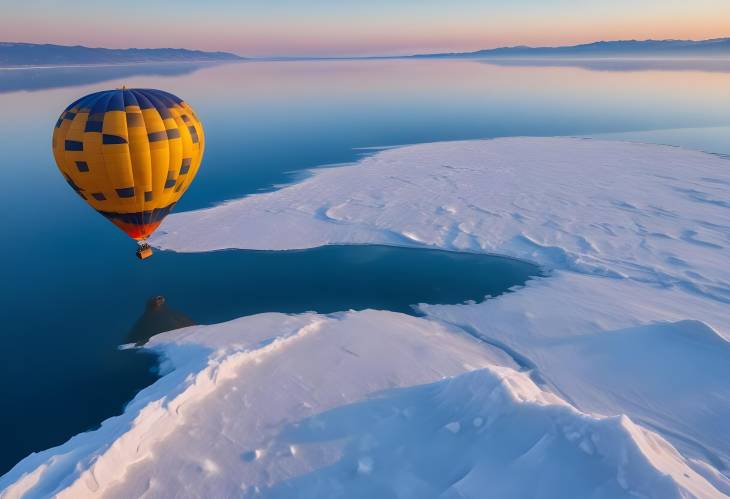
(526, 59)
(119, 64)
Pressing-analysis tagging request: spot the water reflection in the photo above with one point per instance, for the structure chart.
(33, 79)
(714, 65)
(158, 317)
(223, 285)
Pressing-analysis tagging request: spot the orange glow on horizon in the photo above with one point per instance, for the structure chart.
(357, 30)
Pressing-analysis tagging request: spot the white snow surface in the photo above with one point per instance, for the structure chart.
(607, 378)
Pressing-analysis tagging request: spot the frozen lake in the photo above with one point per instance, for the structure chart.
(72, 290)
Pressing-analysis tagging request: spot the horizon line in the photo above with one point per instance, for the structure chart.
(377, 56)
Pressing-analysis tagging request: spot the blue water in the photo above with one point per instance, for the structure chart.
(72, 291)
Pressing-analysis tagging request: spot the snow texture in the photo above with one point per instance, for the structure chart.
(607, 378)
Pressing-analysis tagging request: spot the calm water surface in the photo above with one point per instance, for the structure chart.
(72, 291)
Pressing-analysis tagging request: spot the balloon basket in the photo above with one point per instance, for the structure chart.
(144, 251)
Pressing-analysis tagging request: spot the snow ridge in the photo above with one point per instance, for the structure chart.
(91, 462)
(437, 431)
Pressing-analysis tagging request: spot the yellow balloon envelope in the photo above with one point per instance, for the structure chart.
(130, 154)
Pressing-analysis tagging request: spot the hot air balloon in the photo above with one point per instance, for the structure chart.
(130, 154)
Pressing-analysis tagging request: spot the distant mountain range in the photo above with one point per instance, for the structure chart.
(719, 47)
(31, 54)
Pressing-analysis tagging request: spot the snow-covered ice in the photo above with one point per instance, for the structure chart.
(607, 378)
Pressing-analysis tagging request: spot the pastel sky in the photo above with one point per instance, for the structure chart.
(355, 27)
